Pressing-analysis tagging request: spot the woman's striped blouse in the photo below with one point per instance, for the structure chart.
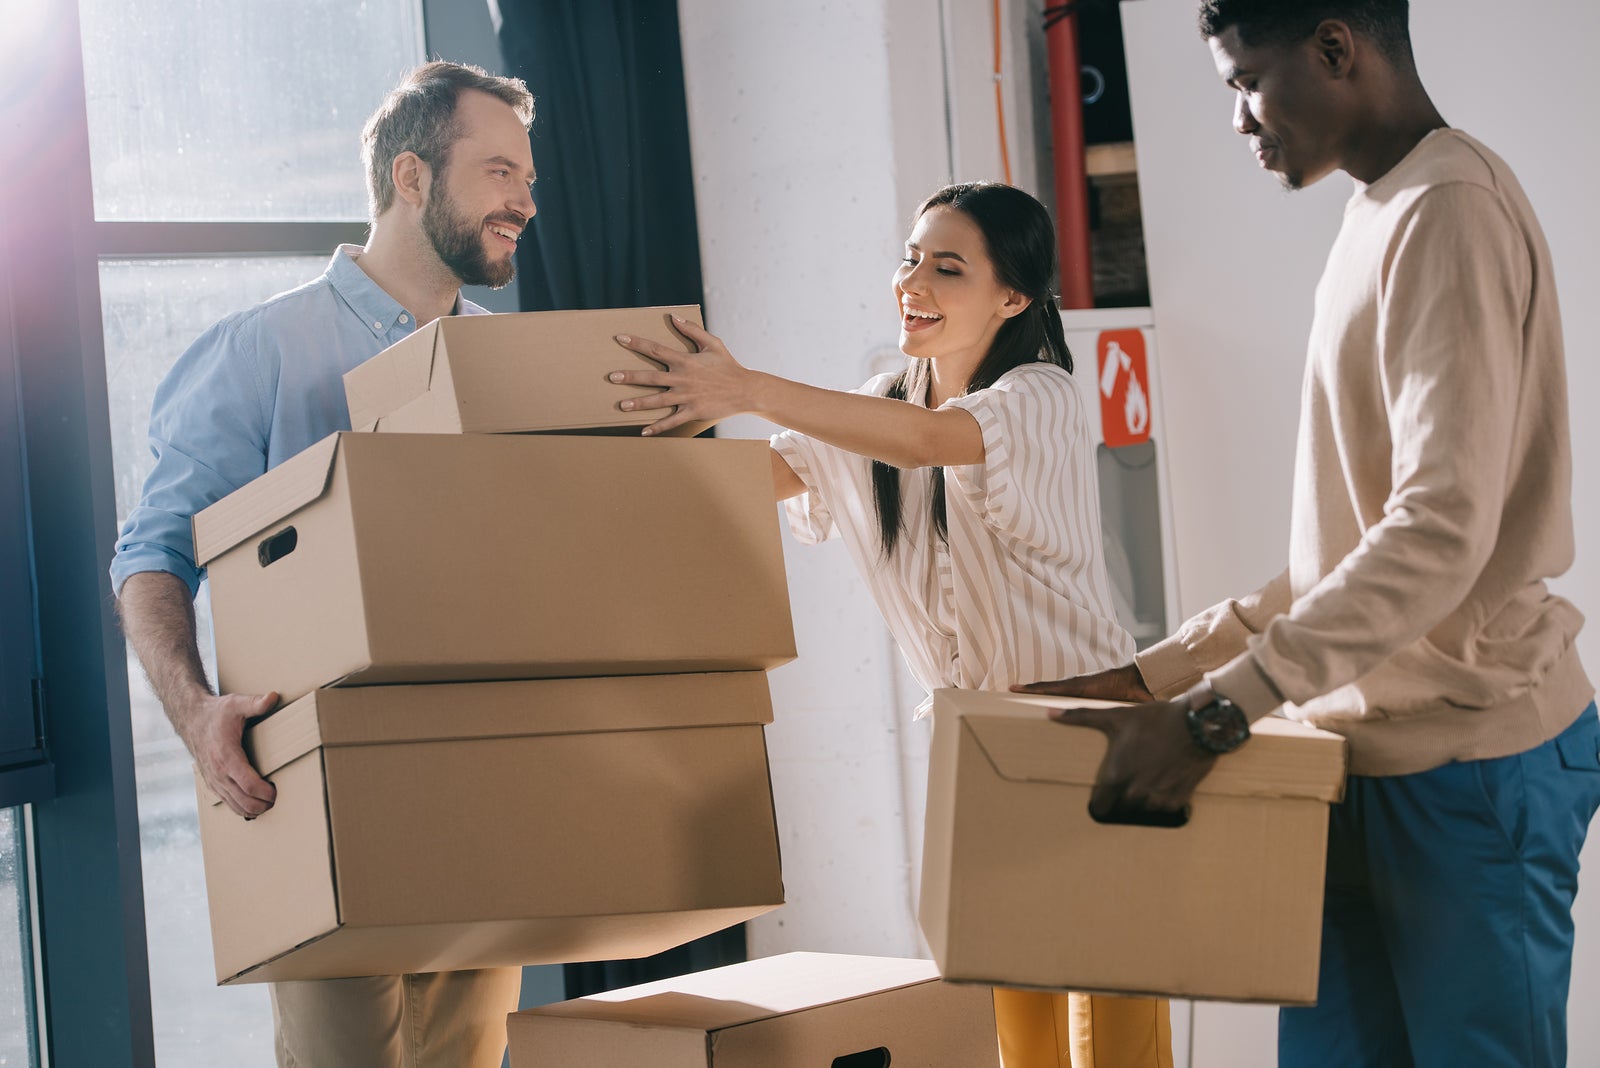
(1020, 591)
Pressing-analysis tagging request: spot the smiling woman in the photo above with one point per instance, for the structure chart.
(965, 492)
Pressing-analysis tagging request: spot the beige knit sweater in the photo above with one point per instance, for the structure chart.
(1432, 490)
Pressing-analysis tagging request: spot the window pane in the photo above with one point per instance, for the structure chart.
(16, 935)
(237, 111)
(152, 311)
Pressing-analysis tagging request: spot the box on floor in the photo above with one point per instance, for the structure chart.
(1022, 887)
(797, 1010)
(515, 372)
(401, 558)
(436, 827)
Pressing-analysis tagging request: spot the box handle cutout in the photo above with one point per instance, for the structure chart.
(867, 1058)
(277, 547)
(1131, 816)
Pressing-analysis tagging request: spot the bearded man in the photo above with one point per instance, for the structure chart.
(449, 177)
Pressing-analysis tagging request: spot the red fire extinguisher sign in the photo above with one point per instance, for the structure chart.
(1124, 388)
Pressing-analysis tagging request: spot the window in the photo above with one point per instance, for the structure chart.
(199, 110)
(17, 1024)
(25, 773)
(211, 160)
(152, 309)
(225, 150)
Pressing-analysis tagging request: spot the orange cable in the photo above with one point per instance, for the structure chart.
(999, 98)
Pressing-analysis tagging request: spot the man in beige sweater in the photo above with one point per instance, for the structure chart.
(1432, 501)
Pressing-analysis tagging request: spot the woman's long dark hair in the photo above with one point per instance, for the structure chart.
(1021, 241)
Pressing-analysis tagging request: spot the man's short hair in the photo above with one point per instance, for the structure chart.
(1272, 22)
(418, 116)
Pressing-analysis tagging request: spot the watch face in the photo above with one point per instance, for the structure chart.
(1220, 726)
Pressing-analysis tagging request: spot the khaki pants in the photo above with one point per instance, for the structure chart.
(434, 1020)
(1042, 1030)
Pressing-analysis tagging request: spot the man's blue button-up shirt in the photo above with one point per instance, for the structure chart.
(256, 388)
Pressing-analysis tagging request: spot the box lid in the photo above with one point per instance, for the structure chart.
(1283, 758)
(747, 993)
(515, 372)
(381, 715)
(291, 485)
(376, 386)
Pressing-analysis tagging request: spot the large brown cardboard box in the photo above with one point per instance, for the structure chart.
(389, 558)
(427, 828)
(798, 1010)
(514, 372)
(1021, 887)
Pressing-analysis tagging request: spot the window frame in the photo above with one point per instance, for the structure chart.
(26, 774)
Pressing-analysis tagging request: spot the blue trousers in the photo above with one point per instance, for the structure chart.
(1447, 927)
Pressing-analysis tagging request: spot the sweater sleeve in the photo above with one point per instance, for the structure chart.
(1452, 302)
(1211, 639)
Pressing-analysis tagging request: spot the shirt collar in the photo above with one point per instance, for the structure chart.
(381, 313)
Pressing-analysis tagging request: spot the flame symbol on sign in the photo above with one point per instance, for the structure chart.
(1135, 409)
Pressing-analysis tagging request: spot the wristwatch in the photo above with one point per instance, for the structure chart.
(1216, 724)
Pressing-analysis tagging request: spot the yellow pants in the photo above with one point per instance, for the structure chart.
(1041, 1030)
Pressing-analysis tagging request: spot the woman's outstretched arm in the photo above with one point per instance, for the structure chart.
(710, 384)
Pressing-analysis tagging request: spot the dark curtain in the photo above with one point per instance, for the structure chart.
(615, 229)
(616, 224)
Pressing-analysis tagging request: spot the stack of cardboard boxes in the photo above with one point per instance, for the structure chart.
(522, 675)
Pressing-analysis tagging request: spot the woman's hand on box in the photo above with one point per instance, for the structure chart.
(705, 385)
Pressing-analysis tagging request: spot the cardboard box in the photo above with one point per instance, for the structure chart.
(1021, 887)
(426, 828)
(798, 1010)
(513, 373)
(399, 558)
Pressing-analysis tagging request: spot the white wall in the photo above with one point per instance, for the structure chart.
(815, 130)
(1232, 264)
(792, 145)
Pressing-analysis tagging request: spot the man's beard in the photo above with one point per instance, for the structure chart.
(459, 243)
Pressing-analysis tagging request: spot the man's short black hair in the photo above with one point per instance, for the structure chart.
(1271, 22)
